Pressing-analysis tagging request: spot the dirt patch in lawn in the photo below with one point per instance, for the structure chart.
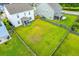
(36, 34)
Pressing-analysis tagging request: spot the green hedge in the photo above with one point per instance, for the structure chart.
(6, 22)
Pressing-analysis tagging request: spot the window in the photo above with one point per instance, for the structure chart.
(18, 22)
(17, 16)
(56, 17)
(30, 18)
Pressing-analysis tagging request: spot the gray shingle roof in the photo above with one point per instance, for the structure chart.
(18, 7)
(55, 6)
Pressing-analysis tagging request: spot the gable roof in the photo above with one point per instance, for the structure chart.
(57, 9)
(55, 6)
(18, 7)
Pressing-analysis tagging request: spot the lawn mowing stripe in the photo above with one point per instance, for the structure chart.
(20, 38)
(59, 44)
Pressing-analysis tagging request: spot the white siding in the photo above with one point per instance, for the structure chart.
(3, 31)
(45, 10)
(14, 20)
(57, 10)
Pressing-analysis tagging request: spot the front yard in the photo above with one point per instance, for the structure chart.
(13, 48)
(41, 36)
(70, 46)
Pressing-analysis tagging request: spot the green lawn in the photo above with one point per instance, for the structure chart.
(41, 36)
(13, 48)
(68, 21)
(71, 8)
(70, 46)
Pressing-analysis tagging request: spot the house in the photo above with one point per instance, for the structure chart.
(48, 10)
(19, 13)
(23, 13)
(4, 35)
(2, 6)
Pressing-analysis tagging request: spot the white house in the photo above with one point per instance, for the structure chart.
(2, 6)
(19, 13)
(4, 35)
(49, 10)
(22, 13)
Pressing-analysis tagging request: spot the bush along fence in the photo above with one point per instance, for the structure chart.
(73, 31)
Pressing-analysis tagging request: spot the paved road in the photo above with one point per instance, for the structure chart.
(71, 12)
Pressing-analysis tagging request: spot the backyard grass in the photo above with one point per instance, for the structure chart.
(68, 22)
(13, 48)
(70, 46)
(41, 36)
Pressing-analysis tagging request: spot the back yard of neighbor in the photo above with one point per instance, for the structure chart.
(70, 46)
(68, 22)
(41, 36)
(13, 48)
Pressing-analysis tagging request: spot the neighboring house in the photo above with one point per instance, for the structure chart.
(49, 10)
(4, 35)
(19, 13)
(2, 6)
(22, 13)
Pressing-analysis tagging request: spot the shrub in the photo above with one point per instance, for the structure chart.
(6, 22)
